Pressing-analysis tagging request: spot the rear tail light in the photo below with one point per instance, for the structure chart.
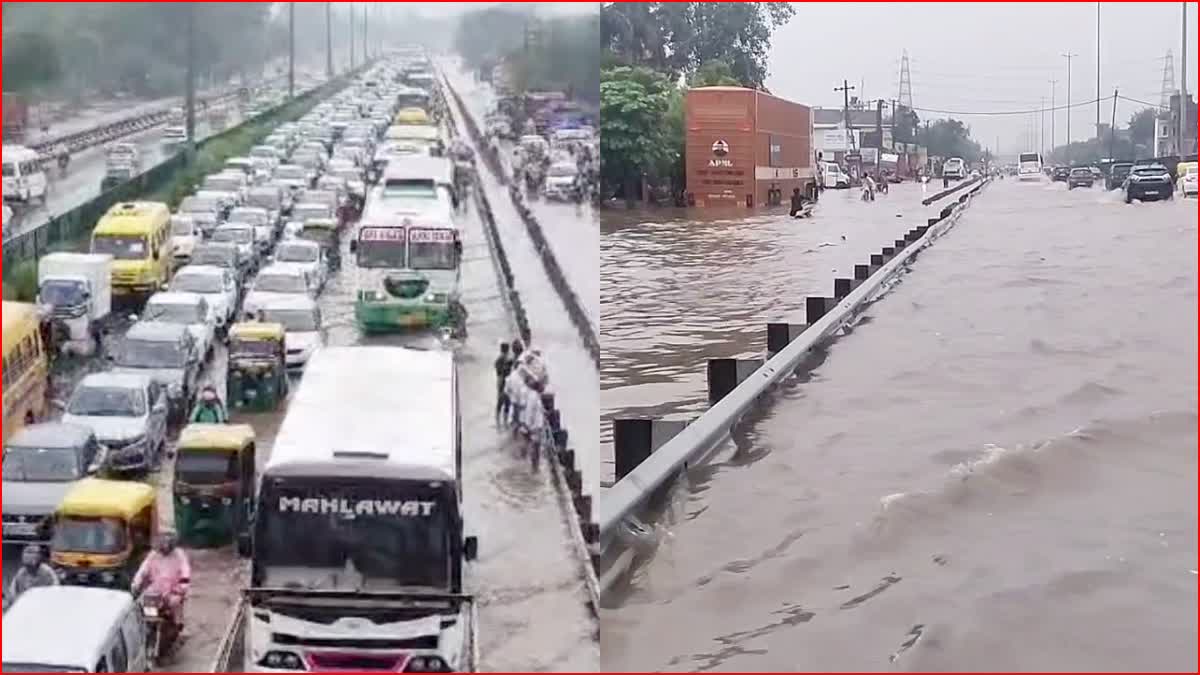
(427, 664)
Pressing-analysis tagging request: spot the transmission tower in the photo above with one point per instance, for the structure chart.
(1168, 81)
(905, 97)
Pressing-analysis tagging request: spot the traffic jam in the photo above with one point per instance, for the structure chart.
(300, 293)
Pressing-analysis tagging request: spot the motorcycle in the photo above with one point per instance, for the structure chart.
(162, 630)
(867, 194)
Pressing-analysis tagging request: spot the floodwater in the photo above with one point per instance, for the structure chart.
(681, 286)
(996, 468)
(529, 579)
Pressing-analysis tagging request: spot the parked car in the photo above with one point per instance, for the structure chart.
(1149, 182)
(1080, 177)
(127, 412)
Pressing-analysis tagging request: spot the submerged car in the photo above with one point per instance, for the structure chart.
(1080, 177)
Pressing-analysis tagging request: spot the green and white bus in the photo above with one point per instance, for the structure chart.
(408, 251)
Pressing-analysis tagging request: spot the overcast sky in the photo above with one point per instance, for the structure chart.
(455, 8)
(984, 57)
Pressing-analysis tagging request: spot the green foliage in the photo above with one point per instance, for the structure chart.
(633, 138)
(21, 283)
(678, 38)
(546, 54)
(31, 60)
(1141, 126)
(950, 138)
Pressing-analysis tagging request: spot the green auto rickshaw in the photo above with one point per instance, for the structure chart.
(256, 379)
(214, 484)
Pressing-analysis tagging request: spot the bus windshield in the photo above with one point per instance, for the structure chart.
(382, 247)
(432, 249)
(364, 535)
(120, 248)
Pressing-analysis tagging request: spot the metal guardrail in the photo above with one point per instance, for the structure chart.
(623, 502)
(938, 196)
(579, 317)
(77, 222)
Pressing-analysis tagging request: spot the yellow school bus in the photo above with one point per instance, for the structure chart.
(137, 235)
(25, 367)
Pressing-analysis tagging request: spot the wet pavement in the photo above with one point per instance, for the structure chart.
(573, 373)
(572, 230)
(86, 172)
(995, 466)
(675, 294)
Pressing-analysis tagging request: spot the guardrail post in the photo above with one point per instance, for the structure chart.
(724, 375)
(635, 439)
(816, 307)
(899, 244)
(912, 235)
(779, 335)
(888, 253)
(842, 287)
(862, 272)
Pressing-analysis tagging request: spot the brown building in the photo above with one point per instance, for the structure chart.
(742, 142)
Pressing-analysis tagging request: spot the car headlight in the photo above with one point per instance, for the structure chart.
(278, 660)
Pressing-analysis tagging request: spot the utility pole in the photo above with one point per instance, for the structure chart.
(365, 43)
(846, 89)
(352, 36)
(1053, 113)
(1097, 72)
(291, 49)
(190, 94)
(1112, 129)
(1069, 57)
(1042, 128)
(1183, 97)
(329, 40)
(879, 134)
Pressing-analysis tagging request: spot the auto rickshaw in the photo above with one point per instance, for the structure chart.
(257, 374)
(102, 530)
(214, 484)
(327, 233)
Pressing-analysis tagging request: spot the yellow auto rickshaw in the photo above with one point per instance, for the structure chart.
(102, 530)
(214, 484)
(256, 379)
(411, 116)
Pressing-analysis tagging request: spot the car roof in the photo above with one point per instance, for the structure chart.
(202, 270)
(290, 269)
(50, 435)
(41, 616)
(295, 301)
(176, 298)
(116, 379)
(156, 331)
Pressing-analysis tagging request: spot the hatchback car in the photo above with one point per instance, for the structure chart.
(127, 412)
(1080, 177)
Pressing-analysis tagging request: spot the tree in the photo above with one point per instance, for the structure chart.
(633, 104)
(30, 61)
(677, 38)
(1141, 126)
(951, 138)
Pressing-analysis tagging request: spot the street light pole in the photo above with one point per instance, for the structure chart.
(1053, 113)
(1183, 98)
(291, 49)
(352, 36)
(1069, 57)
(1098, 71)
(329, 40)
(190, 93)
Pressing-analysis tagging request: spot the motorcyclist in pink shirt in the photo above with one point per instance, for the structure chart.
(167, 573)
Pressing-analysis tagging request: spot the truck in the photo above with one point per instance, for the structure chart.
(16, 116)
(76, 289)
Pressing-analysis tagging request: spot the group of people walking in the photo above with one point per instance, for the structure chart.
(522, 397)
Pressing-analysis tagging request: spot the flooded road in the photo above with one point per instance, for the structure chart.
(676, 291)
(997, 466)
(573, 372)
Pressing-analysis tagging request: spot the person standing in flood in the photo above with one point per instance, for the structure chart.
(503, 366)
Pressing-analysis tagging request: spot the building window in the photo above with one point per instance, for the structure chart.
(775, 146)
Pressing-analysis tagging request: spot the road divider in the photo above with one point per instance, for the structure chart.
(650, 454)
(568, 476)
(579, 317)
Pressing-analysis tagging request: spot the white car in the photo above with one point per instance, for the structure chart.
(279, 279)
(128, 413)
(954, 168)
(560, 181)
(301, 319)
(241, 234)
(185, 309)
(185, 233)
(1187, 183)
(216, 285)
(293, 176)
(260, 220)
(305, 254)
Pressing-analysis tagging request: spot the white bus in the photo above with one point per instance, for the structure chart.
(1029, 166)
(358, 549)
(24, 177)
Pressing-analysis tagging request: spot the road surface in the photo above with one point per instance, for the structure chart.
(996, 466)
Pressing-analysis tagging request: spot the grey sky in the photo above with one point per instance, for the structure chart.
(983, 57)
(456, 8)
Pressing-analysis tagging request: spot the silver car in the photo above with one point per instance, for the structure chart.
(127, 412)
(41, 463)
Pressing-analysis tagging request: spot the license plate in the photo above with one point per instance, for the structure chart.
(1150, 192)
(20, 529)
(151, 612)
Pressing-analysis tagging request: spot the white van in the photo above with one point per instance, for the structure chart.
(24, 178)
(835, 178)
(954, 168)
(74, 629)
